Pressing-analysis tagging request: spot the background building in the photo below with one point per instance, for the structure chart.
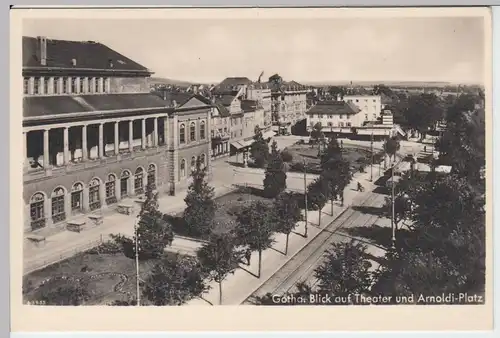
(94, 134)
(370, 105)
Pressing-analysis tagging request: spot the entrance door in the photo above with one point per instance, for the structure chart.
(76, 201)
(124, 187)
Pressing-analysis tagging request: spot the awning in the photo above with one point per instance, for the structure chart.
(268, 134)
(241, 144)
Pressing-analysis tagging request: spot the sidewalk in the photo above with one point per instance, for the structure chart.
(238, 286)
(65, 244)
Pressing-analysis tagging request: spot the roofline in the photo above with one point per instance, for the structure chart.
(41, 68)
(91, 113)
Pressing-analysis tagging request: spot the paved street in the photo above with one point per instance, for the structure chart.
(301, 267)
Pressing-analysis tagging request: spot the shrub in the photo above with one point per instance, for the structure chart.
(286, 156)
(109, 247)
(62, 291)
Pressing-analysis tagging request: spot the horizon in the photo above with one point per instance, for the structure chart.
(414, 49)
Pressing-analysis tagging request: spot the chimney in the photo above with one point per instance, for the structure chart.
(174, 103)
(42, 45)
(164, 95)
(110, 63)
(73, 62)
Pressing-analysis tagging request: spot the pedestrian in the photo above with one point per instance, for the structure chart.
(425, 149)
(248, 255)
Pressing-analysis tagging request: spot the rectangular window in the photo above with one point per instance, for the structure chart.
(341, 116)
(89, 85)
(94, 201)
(96, 85)
(36, 85)
(106, 85)
(348, 117)
(82, 85)
(55, 85)
(65, 85)
(73, 85)
(26, 85)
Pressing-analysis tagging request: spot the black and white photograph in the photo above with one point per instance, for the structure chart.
(258, 161)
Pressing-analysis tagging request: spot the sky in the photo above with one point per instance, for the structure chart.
(444, 49)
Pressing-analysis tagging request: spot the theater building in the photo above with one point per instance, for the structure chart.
(94, 134)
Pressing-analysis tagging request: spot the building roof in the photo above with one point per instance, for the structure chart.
(249, 105)
(334, 108)
(87, 54)
(229, 82)
(40, 106)
(225, 99)
(223, 111)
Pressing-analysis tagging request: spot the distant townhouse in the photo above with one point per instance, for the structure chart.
(346, 119)
(369, 105)
(289, 102)
(94, 134)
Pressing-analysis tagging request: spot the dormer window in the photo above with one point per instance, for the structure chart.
(110, 63)
(73, 62)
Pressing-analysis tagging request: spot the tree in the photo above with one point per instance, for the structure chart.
(259, 150)
(275, 175)
(331, 165)
(200, 204)
(317, 194)
(391, 147)
(287, 214)
(255, 228)
(346, 270)
(174, 281)
(219, 258)
(423, 112)
(317, 133)
(152, 234)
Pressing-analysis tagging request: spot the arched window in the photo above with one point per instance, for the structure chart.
(193, 163)
(138, 181)
(192, 131)
(124, 179)
(202, 130)
(111, 189)
(94, 197)
(151, 180)
(182, 133)
(57, 201)
(203, 160)
(37, 211)
(77, 197)
(183, 168)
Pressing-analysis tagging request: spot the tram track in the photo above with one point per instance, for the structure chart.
(305, 261)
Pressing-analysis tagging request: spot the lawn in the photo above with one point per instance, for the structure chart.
(107, 277)
(300, 152)
(227, 207)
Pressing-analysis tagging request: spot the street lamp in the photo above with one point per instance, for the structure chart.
(371, 150)
(138, 290)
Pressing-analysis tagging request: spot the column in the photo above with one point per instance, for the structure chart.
(101, 140)
(84, 143)
(66, 145)
(102, 193)
(143, 133)
(117, 188)
(31, 86)
(117, 138)
(50, 86)
(46, 162)
(130, 135)
(85, 197)
(155, 132)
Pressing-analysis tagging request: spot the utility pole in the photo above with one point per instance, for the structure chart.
(138, 289)
(371, 166)
(305, 197)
